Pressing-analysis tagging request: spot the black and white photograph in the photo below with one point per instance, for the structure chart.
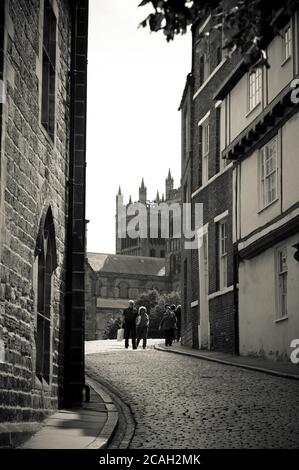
(149, 232)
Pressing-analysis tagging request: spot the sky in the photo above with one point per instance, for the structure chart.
(135, 84)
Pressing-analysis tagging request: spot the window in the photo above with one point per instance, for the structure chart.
(123, 290)
(221, 39)
(282, 278)
(254, 88)
(152, 253)
(46, 264)
(287, 43)
(222, 162)
(186, 140)
(222, 255)
(205, 151)
(185, 287)
(204, 59)
(268, 173)
(49, 70)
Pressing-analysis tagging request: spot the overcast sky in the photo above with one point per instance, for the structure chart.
(135, 84)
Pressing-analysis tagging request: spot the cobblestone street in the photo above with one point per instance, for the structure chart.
(183, 402)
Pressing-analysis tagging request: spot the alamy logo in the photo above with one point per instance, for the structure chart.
(163, 220)
(295, 354)
(295, 92)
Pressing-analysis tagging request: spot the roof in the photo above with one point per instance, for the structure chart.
(187, 84)
(125, 264)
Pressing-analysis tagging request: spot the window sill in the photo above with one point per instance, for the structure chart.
(213, 178)
(278, 320)
(268, 205)
(41, 385)
(285, 61)
(209, 78)
(253, 109)
(223, 291)
(47, 136)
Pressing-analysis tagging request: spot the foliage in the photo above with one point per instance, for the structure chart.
(155, 303)
(113, 324)
(246, 22)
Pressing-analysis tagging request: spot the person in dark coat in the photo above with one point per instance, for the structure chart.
(168, 324)
(129, 324)
(172, 308)
(142, 323)
(178, 314)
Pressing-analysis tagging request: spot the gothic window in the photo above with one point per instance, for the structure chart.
(46, 264)
(49, 69)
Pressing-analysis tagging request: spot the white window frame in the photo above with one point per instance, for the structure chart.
(255, 82)
(205, 150)
(222, 244)
(281, 282)
(185, 132)
(268, 174)
(287, 43)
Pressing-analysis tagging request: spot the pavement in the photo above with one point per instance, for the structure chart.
(106, 345)
(88, 427)
(146, 379)
(179, 401)
(280, 369)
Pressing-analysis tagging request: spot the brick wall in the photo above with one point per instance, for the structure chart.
(33, 177)
(222, 323)
(216, 198)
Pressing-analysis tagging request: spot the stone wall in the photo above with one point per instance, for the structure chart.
(33, 178)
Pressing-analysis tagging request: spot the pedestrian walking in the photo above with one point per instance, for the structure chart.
(129, 324)
(142, 324)
(178, 314)
(173, 308)
(168, 324)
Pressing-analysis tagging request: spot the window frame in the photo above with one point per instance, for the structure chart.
(264, 202)
(45, 264)
(281, 282)
(205, 150)
(49, 56)
(222, 254)
(254, 89)
(286, 45)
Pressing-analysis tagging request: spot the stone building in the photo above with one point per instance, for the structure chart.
(43, 60)
(111, 280)
(161, 247)
(208, 283)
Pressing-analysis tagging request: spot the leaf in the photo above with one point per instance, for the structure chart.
(144, 2)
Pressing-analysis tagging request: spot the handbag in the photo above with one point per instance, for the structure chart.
(120, 334)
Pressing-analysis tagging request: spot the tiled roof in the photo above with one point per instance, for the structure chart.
(124, 264)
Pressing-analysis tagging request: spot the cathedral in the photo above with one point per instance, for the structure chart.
(154, 247)
(140, 264)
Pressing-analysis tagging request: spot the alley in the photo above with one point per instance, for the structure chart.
(183, 402)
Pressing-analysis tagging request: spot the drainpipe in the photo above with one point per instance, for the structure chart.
(236, 268)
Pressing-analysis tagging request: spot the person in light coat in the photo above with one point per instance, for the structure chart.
(142, 325)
